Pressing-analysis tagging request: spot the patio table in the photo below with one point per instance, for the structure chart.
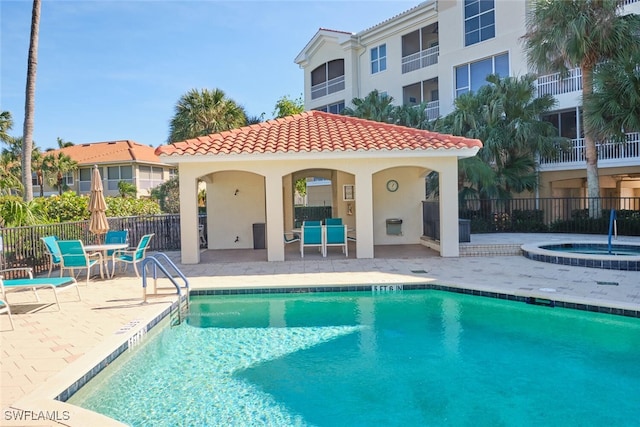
(104, 248)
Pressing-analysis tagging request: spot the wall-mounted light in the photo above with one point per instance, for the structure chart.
(236, 192)
(349, 209)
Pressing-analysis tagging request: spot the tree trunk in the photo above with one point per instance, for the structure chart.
(591, 151)
(29, 103)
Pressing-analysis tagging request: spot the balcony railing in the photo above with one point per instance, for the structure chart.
(433, 110)
(420, 59)
(554, 84)
(325, 88)
(629, 149)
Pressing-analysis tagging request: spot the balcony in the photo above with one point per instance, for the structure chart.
(609, 154)
(325, 88)
(433, 110)
(554, 84)
(420, 59)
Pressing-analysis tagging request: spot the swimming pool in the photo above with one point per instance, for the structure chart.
(618, 256)
(364, 358)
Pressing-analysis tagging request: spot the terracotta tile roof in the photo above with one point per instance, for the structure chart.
(110, 152)
(315, 131)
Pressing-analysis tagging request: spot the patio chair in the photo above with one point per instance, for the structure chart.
(333, 221)
(51, 243)
(132, 255)
(311, 222)
(336, 235)
(75, 257)
(4, 308)
(295, 237)
(56, 284)
(116, 236)
(311, 236)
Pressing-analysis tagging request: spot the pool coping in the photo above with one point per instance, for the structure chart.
(535, 252)
(51, 397)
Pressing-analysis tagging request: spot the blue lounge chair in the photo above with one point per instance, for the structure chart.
(333, 221)
(51, 243)
(74, 257)
(56, 284)
(132, 256)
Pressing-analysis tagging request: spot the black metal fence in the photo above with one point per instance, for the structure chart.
(543, 215)
(311, 213)
(22, 247)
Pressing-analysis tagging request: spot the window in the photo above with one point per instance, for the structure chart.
(470, 77)
(85, 178)
(335, 108)
(379, 59)
(34, 179)
(420, 48)
(116, 174)
(149, 177)
(479, 21)
(327, 78)
(67, 179)
(566, 122)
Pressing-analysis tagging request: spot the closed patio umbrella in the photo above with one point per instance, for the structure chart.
(98, 223)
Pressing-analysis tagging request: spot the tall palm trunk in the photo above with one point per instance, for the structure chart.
(591, 150)
(29, 103)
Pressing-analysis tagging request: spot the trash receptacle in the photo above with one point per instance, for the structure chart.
(464, 230)
(259, 235)
(394, 226)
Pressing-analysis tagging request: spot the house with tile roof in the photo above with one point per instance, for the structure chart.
(439, 49)
(117, 161)
(377, 173)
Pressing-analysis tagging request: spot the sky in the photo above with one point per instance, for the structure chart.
(114, 70)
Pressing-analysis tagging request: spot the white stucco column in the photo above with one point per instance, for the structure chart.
(449, 246)
(364, 215)
(275, 213)
(189, 239)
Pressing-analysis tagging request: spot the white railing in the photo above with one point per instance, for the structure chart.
(629, 149)
(554, 84)
(421, 59)
(325, 88)
(433, 110)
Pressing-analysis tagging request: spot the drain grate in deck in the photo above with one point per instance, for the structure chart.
(607, 283)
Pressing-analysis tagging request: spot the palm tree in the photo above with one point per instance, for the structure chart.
(374, 106)
(37, 164)
(563, 34)
(56, 166)
(10, 173)
(63, 144)
(6, 123)
(204, 112)
(614, 107)
(10, 182)
(30, 101)
(413, 116)
(504, 115)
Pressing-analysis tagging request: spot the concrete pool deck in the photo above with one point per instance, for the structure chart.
(48, 350)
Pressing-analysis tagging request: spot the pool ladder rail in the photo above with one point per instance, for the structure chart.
(156, 262)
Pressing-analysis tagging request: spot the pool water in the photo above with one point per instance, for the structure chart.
(412, 358)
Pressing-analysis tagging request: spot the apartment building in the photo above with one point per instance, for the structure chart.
(440, 49)
(117, 161)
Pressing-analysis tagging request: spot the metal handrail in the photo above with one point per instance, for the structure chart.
(155, 261)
